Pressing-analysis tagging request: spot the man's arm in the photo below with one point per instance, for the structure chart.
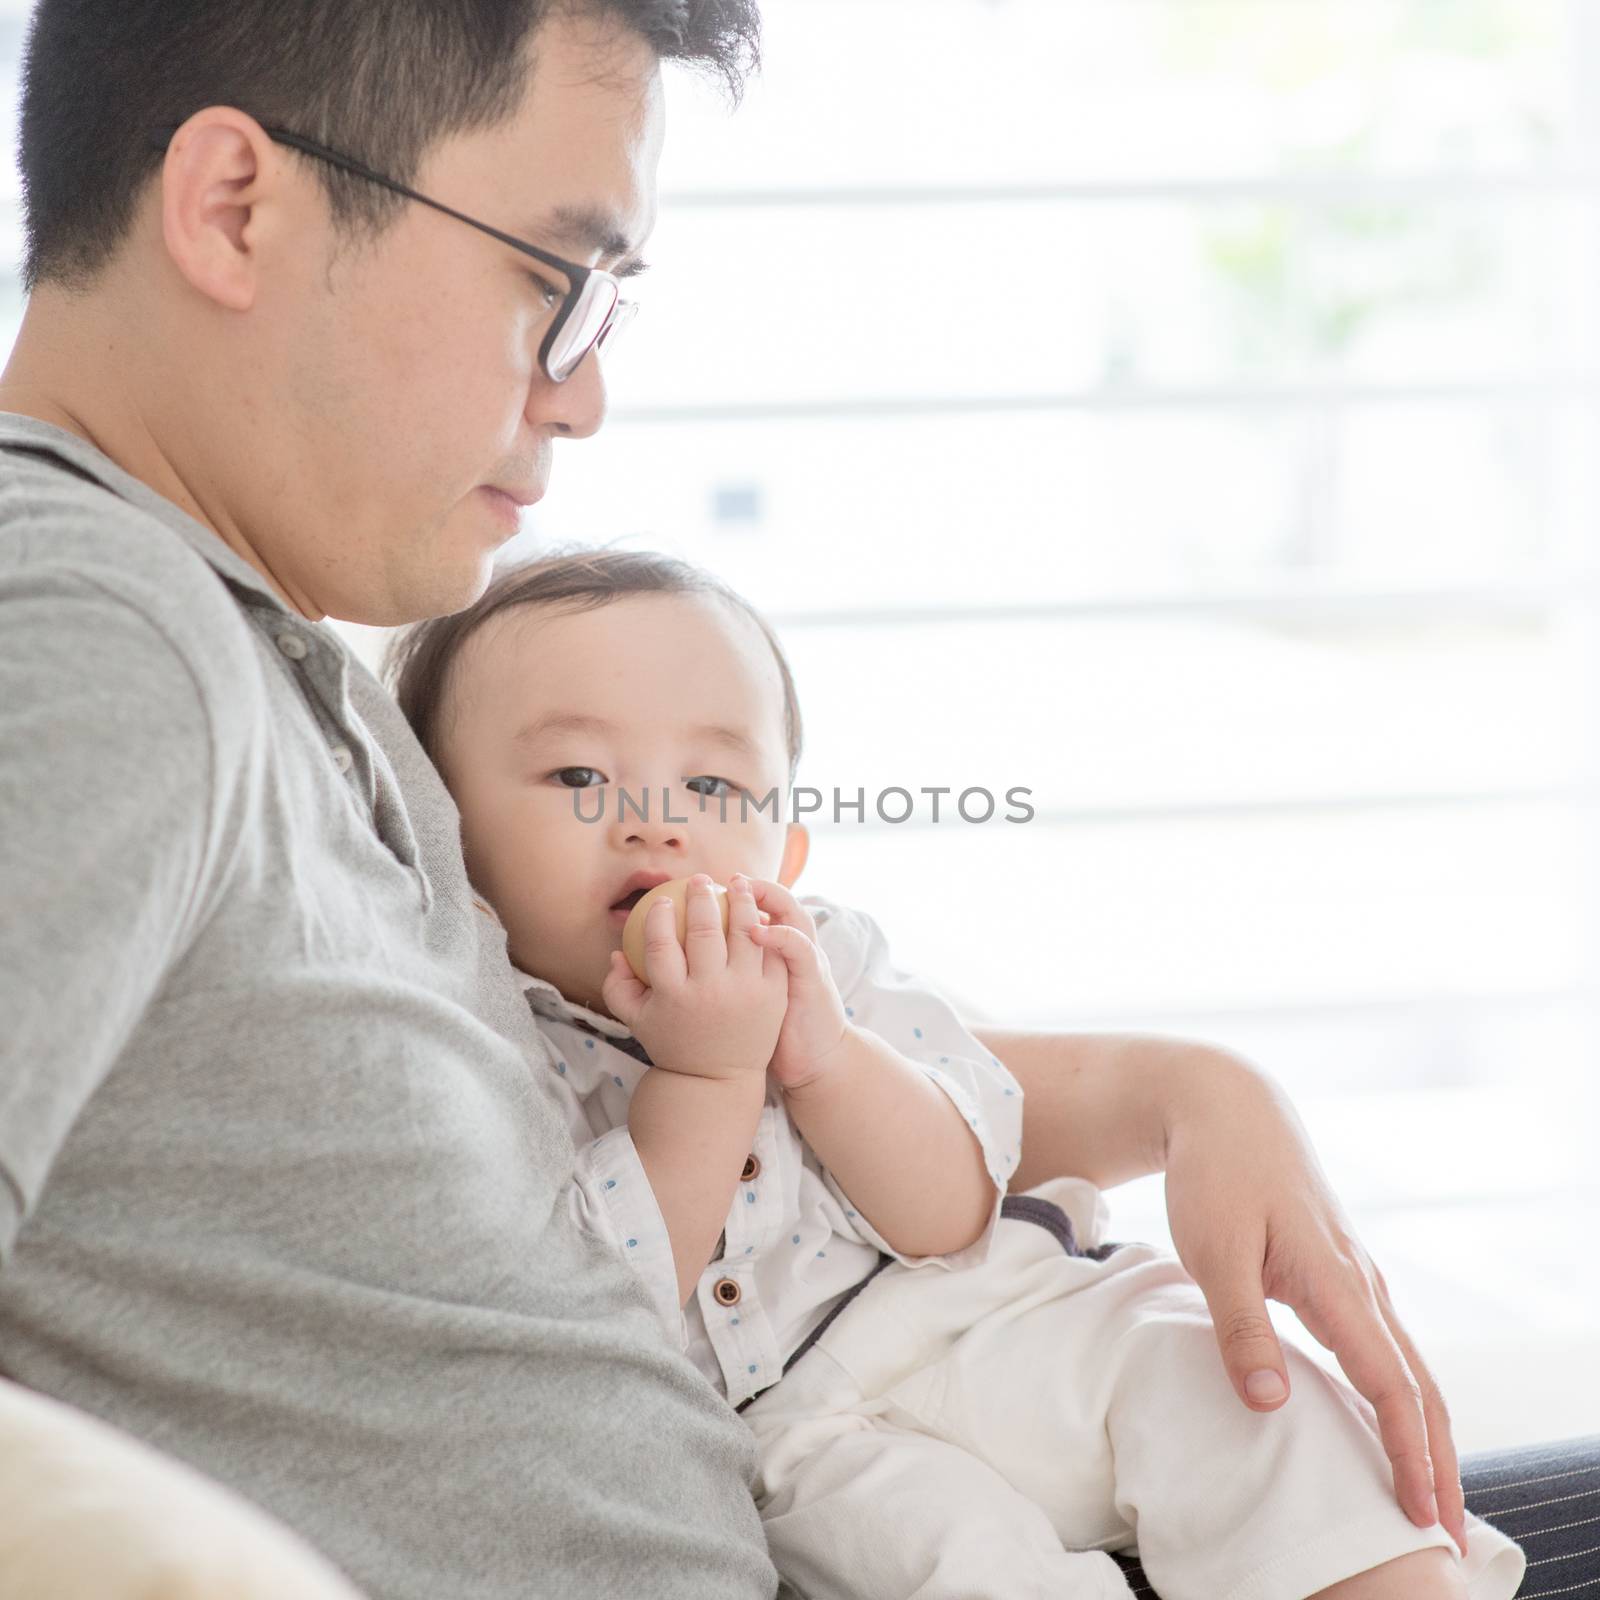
(1099, 1106)
(1253, 1218)
(105, 804)
(1096, 1106)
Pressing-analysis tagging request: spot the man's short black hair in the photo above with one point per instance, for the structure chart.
(380, 80)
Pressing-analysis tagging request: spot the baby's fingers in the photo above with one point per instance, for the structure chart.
(621, 991)
(705, 947)
(743, 918)
(664, 958)
(790, 945)
(781, 906)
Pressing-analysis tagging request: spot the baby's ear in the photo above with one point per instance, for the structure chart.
(796, 847)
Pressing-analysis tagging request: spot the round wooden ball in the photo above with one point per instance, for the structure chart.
(676, 890)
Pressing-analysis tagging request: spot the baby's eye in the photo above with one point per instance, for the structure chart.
(716, 787)
(578, 777)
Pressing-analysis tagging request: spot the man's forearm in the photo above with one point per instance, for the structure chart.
(1101, 1106)
(897, 1145)
(693, 1135)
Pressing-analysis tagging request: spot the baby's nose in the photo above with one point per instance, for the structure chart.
(658, 817)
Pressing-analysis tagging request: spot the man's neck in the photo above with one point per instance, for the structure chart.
(39, 405)
(57, 344)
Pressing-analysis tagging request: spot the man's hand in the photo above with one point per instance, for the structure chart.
(712, 1006)
(1253, 1218)
(814, 1026)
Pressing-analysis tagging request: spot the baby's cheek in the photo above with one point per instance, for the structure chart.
(760, 849)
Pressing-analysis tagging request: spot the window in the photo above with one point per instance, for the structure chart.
(1187, 410)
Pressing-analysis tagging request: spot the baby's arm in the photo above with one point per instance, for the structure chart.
(709, 1017)
(693, 1135)
(897, 1145)
(921, 1142)
(651, 1171)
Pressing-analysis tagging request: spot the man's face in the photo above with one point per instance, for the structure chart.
(410, 407)
(547, 709)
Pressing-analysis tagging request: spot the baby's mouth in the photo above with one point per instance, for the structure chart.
(635, 887)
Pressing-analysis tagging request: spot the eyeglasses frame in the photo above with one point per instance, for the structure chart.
(576, 274)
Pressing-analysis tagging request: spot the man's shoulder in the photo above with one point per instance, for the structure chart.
(74, 546)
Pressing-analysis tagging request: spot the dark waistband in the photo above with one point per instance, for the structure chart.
(1016, 1207)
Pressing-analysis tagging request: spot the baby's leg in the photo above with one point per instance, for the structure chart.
(855, 1506)
(1223, 1501)
(1422, 1575)
(1098, 1392)
(1285, 1504)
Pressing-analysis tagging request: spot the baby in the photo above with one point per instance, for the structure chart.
(955, 1393)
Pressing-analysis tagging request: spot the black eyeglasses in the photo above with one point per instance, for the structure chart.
(592, 311)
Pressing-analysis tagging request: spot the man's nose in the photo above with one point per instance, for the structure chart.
(574, 409)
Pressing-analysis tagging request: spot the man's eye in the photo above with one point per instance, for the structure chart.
(578, 777)
(546, 291)
(712, 791)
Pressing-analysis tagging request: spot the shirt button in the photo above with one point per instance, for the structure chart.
(727, 1292)
(342, 758)
(293, 646)
(752, 1169)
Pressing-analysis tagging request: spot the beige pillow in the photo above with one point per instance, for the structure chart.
(90, 1513)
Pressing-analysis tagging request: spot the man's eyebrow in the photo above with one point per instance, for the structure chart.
(591, 228)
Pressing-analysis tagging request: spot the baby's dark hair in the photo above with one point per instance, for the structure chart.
(575, 578)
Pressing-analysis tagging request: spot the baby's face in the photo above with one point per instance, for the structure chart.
(548, 707)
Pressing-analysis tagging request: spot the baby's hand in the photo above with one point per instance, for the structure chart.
(814, 1025)
(713, 1005)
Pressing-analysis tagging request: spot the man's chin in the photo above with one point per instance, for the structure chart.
(444, 589)
(397, 594)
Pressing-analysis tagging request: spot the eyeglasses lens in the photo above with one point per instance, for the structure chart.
(583, 327)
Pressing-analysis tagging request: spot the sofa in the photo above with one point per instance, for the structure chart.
(89, 1513)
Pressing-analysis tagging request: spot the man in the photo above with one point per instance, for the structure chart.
(289, 1200)
(315, 287)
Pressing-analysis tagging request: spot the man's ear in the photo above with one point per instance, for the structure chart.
(796, 847)
(219, 169)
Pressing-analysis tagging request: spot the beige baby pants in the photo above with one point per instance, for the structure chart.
(989, 1433)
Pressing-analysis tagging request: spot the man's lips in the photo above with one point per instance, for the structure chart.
(508, 504)
(518, 497)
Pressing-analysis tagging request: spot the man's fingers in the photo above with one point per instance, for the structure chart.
(1354, 1329)
(1441, 1442)
(1249, 1345)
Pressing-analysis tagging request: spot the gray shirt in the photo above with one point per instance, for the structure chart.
(279, 1191)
